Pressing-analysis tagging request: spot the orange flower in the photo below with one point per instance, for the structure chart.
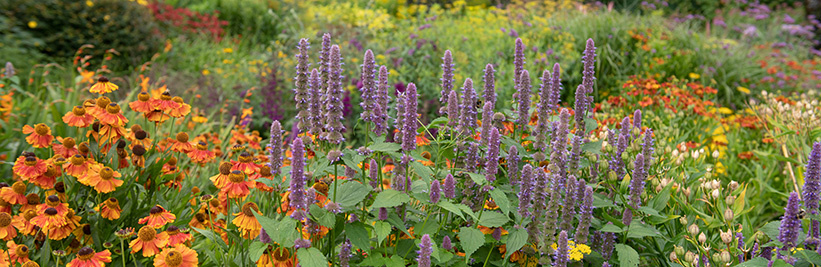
(18, 253)
(109, 133)
(247, 221)
(200, 221)
(47, 179)
(149, 241)
(279, 257)
(7, 231)
(109, 209)
(88, 76)
(39, 136)
(182, 111)
(165, 103)
(142, 104)
(53, 201)
(97, 106)
(175, 236)
(77, 166)
(78, 117)
(245, 164)
(66, 148)
(101, 178)
(14, 194)
(29, 166)
(237, 186)
(201, 154)
(221, 180)
(49, 219)
(87, 258)
(158, 217)
(177, 256)
(181, 144)
(156, 115)
(22, 221)
(112, 115)
(103, 86)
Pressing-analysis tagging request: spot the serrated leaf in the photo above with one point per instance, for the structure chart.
(358, 235)
(592, 147)
(389, 198)
(515, 240)
(323, 216)
(771, 229)
(628, 257)
(256, 249)
(311, 257)
(501, 200)
(611, 228)
(422, 171)
(754, 262)
(477, 178)
(349, 194)
(590, 124)
(471, 239)
(640, 230)
(493, 219)
(382, 230)
(601, 202)
(452, 208)
(384, 147)
(465, 209)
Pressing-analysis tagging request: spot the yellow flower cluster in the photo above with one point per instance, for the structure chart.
(576, 251)
(352, 14)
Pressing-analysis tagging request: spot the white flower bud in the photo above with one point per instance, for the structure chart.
(716, 194)
(702, 238)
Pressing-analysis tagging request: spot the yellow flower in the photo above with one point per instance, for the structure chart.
(743, 89)
(724, 110)
(205, 72)
(694, 75)
(32, 24)
(89, 3)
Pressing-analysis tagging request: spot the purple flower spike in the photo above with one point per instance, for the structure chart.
(562, 254)
(333, 103)
(637, 119)
(301, 94)
(297, 194)
(490, 85)
(264, 237)
(467, 120)
(740, 238)
(450, 187)
(315, 105)
(523, 96)
(302, 243)
(368, 90)
(518, 60)
(569, 205)
(435, 192)
(446, 244)
(543, 109)
(586, 212)
(345, 253)
(790, 224)
(275, 148)
(383, 214)
(487, 121)
(373, 172)
(497, 233)
(525, 191)
(555, 87)
(447, 78)
(409, 129)
(637, 181)
(492, 155)
(581, 109)
(399, 122)
(558, 158)
(513, 164)
(589, 72)
(382, 101)
(425, 249)
(812, 186)
(453, 109)
(647, 148)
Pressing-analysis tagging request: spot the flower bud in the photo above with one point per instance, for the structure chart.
(673, 256)
(716, 154)
(689, 256)
(716, 184)
(733, 185)
(715, 194)
(702, 238)
(612, 176)
(708, 175)
(728, 215)
(693, 229)
(726, 257)
(683, 220)
(726, 237)
(687, 192)
(730, 200)
(717, 257)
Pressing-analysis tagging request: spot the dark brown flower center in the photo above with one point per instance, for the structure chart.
(102, 79)
(225, 168)
(85, 253)
(138, 150)
(249, 208)
(51, 211)
(31, 161)
(173, 259)
(22, 251)
(281, 254)
(155, 210)
(5, 219)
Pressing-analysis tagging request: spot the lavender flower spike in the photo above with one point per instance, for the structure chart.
(492, 155)
(487, 121)
(435, 191)
(513, 164)
(518, 60)
(301, 82)
(446, 244)
(589, 72)
(543, 109)
(447, 78)
(315, 103)
(425, 249)
(562, 254)
(333, 103)
(555, 87)
(637, 181)
(275, 148)
(297, 194)
(453, 109)
(637, 119)
(467, 120)
(450, 186)
(523, 96)
(324, 73)
(345, 253)
(490, 85)
(368, 90)
(373, 173)
(525, 191)
(399, 122)
(581, 109)
(569, 205)
(790, 224)
(409, 129)
(812, 186)
(381, 101)
(586, 212)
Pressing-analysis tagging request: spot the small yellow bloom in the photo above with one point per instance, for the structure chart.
(694, 75)
(724, 110)
(89, 3)
(228, 50)
(32, 24)
(205, 72)
(743, 89)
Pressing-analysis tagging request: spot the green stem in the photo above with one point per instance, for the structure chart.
(488, 254)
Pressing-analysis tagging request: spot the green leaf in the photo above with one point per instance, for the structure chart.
(501, 200)
(384, 147)
(452, 208)
(428, 226)
(256, 250)
(470, 239)
(754, 262)
(592, 147)
(465, 209)
(628, 257)
(382, 230)
(389, 198)
(611, 228)
(358, 235)
(640, 230)
(590, 124)
(477, 178)
(395, 261)
(601, 202)
(45, 253)
(515, 241)
(493, 219)
(323, 216)
(311, 257)
(660, 201)
(771, 229)
(211, 236)
(349, 194)
(373, 260)
(422, 170)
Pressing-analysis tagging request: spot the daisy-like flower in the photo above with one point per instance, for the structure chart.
(181, 144)
(165, 103)
(39, 135)
(103, 86)
(109, 209)
(109, 133)
(112, 115)
(66, 148)
(177, 256)
(182, 111)
(60, 233)
(201, 154)
(7, 231)
(87, 258)
(156, 116)
(78, 117)
(279, 257)
(32, 202)
(175, 236)
(98, 106)
(158, 217)
(218, 205)
(245, 164)
(29, 166)
(200, 221)
(77, 166)
(18, 253)
(22, 221)
(49, 219)
(247, 222)
(237, 186)
(102, 179)
(53, 201)
(14, 194)
(148, 241)
(47, 180)
(142, 104)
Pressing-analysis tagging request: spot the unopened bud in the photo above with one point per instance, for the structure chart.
(702, 238)
(733, 185)
(728, 215)
(689, 256)
(687, 192)
(612, 176)
(717, 257)
(716, 154)
(726, 237)
(726, 257)
(715, 194)
(682, 220)
(693, 229)
(716, 184)
(730, 200)
(673, 257)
